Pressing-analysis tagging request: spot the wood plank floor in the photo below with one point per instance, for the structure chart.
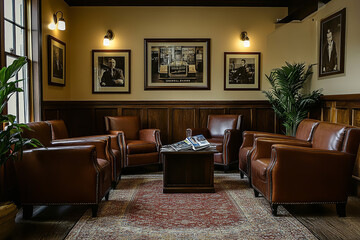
(55, 222)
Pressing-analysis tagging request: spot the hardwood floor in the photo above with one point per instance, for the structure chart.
(55, 222)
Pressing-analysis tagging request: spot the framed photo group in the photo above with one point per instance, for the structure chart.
(184, 64)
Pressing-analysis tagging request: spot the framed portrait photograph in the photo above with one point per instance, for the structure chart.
(56, 62)
(241, 71)
(332, 44)
(177, 64)
(111, 71)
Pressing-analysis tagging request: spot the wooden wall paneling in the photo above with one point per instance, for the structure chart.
(343, 116)
(265, 120)
(247, 116)
(205, 112)
(50, 114)
(326, 114)
(182, 118)
(159, 118)
(79, 122)
(356, 117)
(100, 114)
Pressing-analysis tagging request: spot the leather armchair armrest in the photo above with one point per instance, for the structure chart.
(309, 174)
(152, 135)
(58, 175)
(262, 145)
(197, 131)
(102, 145)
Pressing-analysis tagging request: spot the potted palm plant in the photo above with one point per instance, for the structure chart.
(11, 142)
(287, 96)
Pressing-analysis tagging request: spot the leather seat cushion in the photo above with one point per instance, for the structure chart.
(258, 168)
(138, 146)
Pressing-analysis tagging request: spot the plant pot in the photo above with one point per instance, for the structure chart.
(8, 211)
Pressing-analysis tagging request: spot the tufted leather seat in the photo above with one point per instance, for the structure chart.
(304, 132)
(63, 173)
(294, 171)
(138, 146)
(223, 131)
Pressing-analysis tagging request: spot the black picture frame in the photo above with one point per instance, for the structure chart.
(242, 71)
(111, 79)
(56, 62)
(332, 27)
(177, 64)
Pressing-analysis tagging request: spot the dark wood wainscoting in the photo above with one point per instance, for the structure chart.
(172, 118)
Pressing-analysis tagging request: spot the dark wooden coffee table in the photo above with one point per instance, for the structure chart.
(188, 171)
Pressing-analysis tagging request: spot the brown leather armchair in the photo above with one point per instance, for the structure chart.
(60, 132)
(304, 132)
(224, 131)
(297, 172)
(62, 173)
(138, 146)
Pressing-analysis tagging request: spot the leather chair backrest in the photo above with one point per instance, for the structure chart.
(217, 124)
(130, 125)
(306, 129)
(39, 130)
(329, 136)
(58, 129)
(352, 140)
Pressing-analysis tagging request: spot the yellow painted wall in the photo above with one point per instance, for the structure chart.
(300, 42)
(48, 8)
(86, 27)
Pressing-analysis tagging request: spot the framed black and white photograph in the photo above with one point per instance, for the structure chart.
(332, 44)
(174, 64)
(242, 71)
(56, 62)
(111, 71)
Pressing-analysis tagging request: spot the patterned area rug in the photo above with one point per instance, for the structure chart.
(138, 209)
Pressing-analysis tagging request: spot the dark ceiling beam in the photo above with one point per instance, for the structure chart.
(208, 3)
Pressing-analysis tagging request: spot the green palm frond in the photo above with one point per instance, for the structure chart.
(285, 95)
(11, 141)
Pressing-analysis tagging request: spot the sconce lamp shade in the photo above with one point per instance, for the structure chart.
(244, 37)
(106, 41)
(52, 26)
(61, 24)
(246, 43)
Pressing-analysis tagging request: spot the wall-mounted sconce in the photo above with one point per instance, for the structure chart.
(244, 37)
(109, 36)
(60, 23)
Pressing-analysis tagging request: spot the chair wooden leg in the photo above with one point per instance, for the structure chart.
(274, 208)
(226, 168)
(241, 175)
(341, 209)
(113, 184)
(256, 193)
(94, 209)
(27, 211)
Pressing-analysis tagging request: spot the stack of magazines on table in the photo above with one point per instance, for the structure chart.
(197, 142)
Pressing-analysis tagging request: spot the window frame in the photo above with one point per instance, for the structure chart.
(4, 54)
